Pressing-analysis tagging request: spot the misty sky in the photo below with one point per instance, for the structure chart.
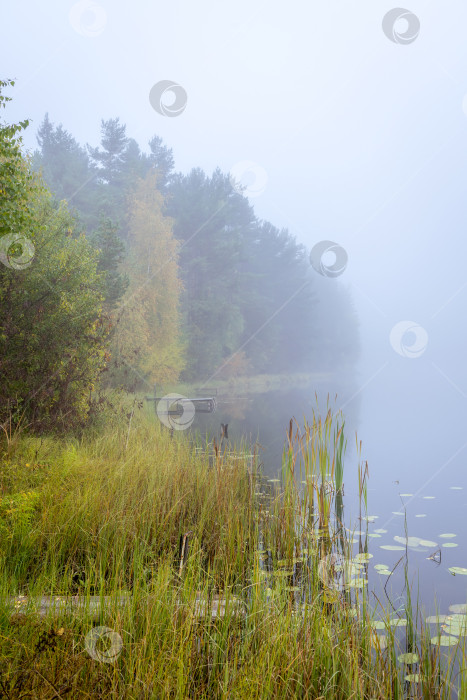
(363, 140)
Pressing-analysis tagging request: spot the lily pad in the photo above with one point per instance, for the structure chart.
(429, 498)
(380, 567)
(380, 531)
(421, 515)
(398, 622)
(410, 541)
(428, 543)
(406, 495)
(373, 534)
(413, 678)
(350, 569)
(457, 570)
(392, 547)
(435, 619)
(456, 626)
(363, 557)
(378, 625)
(456, 488)
(448, 535)
(379, 640)
(408, 658)
(458, 608)
(357, 583)
(384, 572)
(444, 641)
(397, 512)
(449, 544)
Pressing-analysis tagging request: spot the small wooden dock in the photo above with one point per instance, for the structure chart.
(94, 605)
(175, 404)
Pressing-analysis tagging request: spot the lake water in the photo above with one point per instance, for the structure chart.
(412, 422)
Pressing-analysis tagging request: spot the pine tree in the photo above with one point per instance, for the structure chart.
(67, 170)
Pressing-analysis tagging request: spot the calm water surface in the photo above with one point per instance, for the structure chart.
(412, 423)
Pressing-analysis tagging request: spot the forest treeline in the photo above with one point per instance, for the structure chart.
(141, 274)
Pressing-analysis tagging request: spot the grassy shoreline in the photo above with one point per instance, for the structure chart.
(253, 384)
(106, 515)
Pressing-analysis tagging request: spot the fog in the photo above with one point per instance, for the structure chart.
(359, 140)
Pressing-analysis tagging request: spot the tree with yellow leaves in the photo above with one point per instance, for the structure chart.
(148, 335)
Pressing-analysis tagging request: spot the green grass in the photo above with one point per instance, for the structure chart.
(104, 515)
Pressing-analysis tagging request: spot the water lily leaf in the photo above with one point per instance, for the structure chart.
(349, 568)
(448, 535)
(370, 518)
(380, 566)
(449, 544)
(398, 622)
(392, 547)
(435, 619)
(373, 534)
(357, 582)
(456, 627)
(364, 556)
(379, 640)
(384, 572)
(413, 678)
(421, 515)
(456, 488)
(428, 543)
(410, 541)
(378, 625)
(458, 608)
(429, 498)
(397, 512)
(457, 570)
(406, 495)
(408, 658)
(381, 531)
(444, 641)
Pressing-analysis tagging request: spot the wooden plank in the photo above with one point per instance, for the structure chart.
(63, 605)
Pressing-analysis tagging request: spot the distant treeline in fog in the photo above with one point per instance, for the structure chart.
(237, 273)
(142, 275)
